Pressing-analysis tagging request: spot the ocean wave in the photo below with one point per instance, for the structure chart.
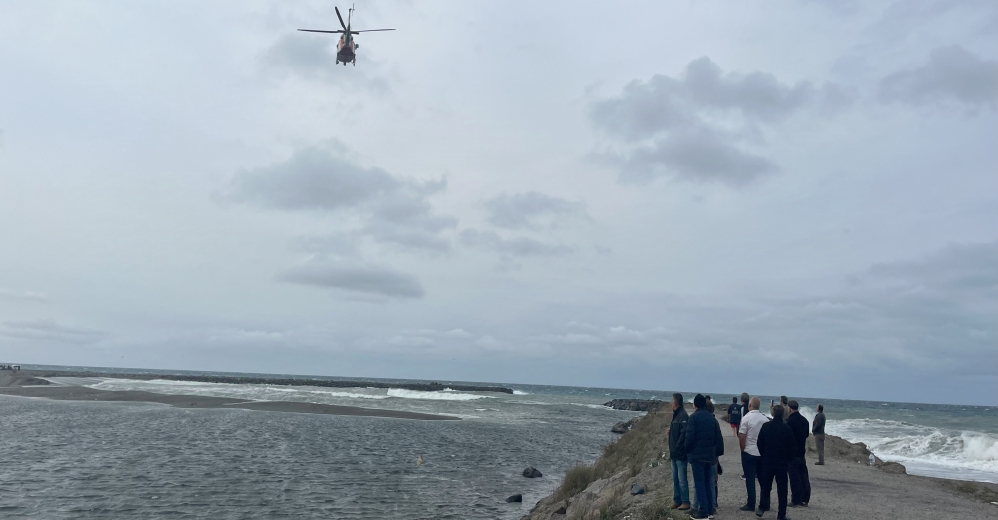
(520, 392)
(900, 441)
(433, 396)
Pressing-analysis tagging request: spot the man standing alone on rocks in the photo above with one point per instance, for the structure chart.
(703, 443)
(800, 483)
(734, 415)
(748, 438)
(818, 430)
(776, 445)
(677, 429)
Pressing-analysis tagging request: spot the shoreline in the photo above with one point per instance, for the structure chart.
(277, 381)
(26, 385)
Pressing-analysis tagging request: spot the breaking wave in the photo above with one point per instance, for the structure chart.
(434, 396)
(933, 450)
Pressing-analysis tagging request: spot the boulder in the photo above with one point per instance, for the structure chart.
(893, 467)
(560, 511)
(532, 472)
(515, 498)
(637, 489)
(621, 427)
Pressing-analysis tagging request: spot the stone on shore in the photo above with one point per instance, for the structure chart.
(515, 498)
(621, 427)
(532, 472)
(637, 489)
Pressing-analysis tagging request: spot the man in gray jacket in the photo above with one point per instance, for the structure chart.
(818, 430)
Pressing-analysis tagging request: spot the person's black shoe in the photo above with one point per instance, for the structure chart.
(794, 504)
(784, 518)
(803, 504)
(746, 507)
(743, 477)
(819, 463)
(759, 512)
(697, 515)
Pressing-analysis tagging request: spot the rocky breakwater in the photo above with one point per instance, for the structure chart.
(638, 405)
(286, 381)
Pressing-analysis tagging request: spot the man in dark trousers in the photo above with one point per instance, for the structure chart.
(818, 430)
(800, 483)
(703, 443)
(677, 454)
(776, 447)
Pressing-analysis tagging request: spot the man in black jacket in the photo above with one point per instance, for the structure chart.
(703, 444)
(776, 446)
(680, 484)
(800, 484)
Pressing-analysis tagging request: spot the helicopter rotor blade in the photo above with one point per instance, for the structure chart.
(371, 30)
(340, 17)
(318, 31)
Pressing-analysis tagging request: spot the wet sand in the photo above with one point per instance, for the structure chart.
(24, 384)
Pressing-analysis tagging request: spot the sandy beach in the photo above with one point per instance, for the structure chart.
(27, 384)
(846, 487)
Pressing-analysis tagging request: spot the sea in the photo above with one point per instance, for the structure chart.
(65, 459)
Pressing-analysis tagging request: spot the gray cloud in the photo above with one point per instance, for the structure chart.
(322, 179)
(531, 210)
(313, 57)
(518, 246)
(951, 75)
(700, 157)
(50, 331)
(701, 125)
(33, 296)
(363, 279)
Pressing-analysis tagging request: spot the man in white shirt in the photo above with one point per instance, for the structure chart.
(748, 436)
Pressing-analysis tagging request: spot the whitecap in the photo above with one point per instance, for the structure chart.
(433, 396)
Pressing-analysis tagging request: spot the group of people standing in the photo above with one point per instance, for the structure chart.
(772, 450)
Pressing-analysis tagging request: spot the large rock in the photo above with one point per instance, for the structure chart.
(515, 498)
(532, 472)
(893, 467)
(637, 489)
(621, 427)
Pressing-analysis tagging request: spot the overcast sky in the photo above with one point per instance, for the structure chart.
(781, 198)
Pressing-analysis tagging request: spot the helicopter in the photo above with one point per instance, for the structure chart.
(346, 49)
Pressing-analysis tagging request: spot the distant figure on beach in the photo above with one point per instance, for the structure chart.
(776, 446)
(703, 444)
(818, 430)
(800, 483)
(677, 454)
(734, 415)
(748, 440)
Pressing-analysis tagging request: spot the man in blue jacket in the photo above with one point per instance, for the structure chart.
(704, 444)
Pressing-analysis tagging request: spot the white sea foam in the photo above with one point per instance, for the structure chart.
(433, 396)
(520, 392)
(930, 450)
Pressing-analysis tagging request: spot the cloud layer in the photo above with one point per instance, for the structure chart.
(704, 125)
(952, 75)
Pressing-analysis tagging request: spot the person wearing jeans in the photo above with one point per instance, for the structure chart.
(677, 453)
(748, 438)
(704, 444)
